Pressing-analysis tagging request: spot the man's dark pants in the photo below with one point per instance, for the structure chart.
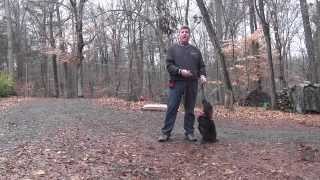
(188, 88)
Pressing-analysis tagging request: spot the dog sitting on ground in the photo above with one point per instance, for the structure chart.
(206, 126)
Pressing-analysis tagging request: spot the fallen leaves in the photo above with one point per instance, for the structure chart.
(72, 152)
(255, 115)
(261, 116)
(6, 103)
(120, 104)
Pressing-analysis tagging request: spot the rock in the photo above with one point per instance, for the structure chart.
(284, 102)
(309, 154)
(305, 97)
(256, 98)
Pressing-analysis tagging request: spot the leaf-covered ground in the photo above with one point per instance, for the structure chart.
(113, 139)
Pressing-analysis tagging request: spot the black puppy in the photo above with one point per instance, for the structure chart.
(206, 126)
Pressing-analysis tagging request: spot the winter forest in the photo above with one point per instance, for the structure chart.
(91, 48)
(84, 89)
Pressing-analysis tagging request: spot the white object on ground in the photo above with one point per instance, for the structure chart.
(154, 107)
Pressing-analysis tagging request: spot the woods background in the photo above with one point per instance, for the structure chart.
(86, 48)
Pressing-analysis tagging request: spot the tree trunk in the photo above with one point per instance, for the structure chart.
(317, 39)
(78, 8)
(162, 45)
(252, 15)
(246, 55)
(218, 7)
(140, 62)
(44, 62)
(19, 46)
(187, 13)
(67, 84)
(10, 58)
(54, 57)
(266, 32)
(219, 22)
(116, 56)
(312, 68)
(279, 46)
(151, 72)
(215, 41)
(133, 58)
(101, 41)
(130, 57)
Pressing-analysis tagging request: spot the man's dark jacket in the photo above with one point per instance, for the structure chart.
(184, 57)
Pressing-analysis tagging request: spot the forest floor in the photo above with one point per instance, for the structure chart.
(44, 138)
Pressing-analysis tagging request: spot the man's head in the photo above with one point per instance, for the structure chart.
(184, 35)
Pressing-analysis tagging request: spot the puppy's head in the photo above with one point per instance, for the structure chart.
(207, 108)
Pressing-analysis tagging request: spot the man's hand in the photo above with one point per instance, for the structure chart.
(185, 73)
(203, 79)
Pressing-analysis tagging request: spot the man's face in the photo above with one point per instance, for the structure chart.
(184, 36)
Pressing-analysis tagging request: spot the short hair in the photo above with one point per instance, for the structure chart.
(184, 27)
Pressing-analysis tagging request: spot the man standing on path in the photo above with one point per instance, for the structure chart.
(185, 66)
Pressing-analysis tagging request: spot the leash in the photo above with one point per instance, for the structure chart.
(202, 92)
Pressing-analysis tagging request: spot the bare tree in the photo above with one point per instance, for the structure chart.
(252, 15)
(215, 41)
(20, 46)
(66, 78)
(279, 45)
(187, 13)
(43, 42)
(77, 9)
(317, 38)
(10, 59)
(127, 55)
(53, 45)
(266, 32)
(140, 60)
(219, 30)
(313, 72)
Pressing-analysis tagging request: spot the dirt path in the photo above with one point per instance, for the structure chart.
(119, 144)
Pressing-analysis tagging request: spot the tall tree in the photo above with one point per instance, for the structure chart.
(20, 47)
(266, 32)
(140, 60)
(10, 58)
(317, 38)
(219, 30)
(252, 16)
(67, 83)
(215, 41)
(186, 22)
(279, 45)
(53, 45)
(78, 10)
(312, 68)
(43, 42)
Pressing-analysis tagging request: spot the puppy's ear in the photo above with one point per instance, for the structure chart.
(206, 104)
(204, 101)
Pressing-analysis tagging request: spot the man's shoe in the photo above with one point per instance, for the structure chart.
(191, 137)
(163, 138)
